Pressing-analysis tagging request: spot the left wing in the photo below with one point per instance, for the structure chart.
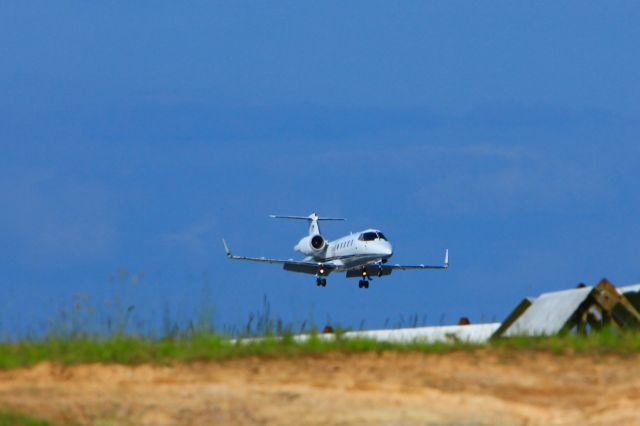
(314, 268)
(445, 265)
(381, 269)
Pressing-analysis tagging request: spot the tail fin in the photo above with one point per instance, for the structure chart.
(313, 219)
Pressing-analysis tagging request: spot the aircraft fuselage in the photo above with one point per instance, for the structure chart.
(353, 251)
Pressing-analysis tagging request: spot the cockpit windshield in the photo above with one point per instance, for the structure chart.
(372, 236)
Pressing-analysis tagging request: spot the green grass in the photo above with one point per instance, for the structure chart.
(135, 350)
(15, 419)
(606, 341)
(205, 347)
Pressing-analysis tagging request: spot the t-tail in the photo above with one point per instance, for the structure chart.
(313, 219)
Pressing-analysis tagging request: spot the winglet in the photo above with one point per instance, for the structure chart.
(226, 248)
(446, 258)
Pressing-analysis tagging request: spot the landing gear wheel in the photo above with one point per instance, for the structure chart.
(366, 284)
(321, 282)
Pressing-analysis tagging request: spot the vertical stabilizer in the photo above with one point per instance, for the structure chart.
(314, 228)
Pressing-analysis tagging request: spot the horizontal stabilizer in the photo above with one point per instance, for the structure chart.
(312, 217)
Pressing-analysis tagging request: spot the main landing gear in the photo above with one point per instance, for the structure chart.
(364, 282)
(321, 281)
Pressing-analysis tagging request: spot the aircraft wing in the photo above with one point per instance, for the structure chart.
(409, 267)
(305, 267)
(445, 265)
(381, 269)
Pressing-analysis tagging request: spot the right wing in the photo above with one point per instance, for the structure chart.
(313, 268)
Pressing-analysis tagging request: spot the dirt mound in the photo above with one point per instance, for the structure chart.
(477, 388)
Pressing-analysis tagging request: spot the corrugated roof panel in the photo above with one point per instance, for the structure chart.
(548, 313)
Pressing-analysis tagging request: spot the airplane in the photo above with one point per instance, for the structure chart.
(362, 254)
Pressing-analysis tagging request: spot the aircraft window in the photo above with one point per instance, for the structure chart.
(368, 236)
(381, 236)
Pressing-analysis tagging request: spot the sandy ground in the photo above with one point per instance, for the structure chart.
(482, 388)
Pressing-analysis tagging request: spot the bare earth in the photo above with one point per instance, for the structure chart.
(481, 388)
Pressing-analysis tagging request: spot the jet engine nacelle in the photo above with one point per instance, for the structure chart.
(313, 244)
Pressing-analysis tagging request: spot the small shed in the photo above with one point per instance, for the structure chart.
(581, 309)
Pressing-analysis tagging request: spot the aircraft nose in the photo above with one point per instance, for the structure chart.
(387, 250)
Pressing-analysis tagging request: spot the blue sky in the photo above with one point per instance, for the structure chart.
(135, 136)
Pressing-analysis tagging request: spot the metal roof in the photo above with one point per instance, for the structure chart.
(548, 313)
(472, 333)
(629, 288)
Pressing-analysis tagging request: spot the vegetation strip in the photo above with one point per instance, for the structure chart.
(15, 419)
(138, 350)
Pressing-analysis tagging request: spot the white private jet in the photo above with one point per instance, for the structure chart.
(361, 254)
